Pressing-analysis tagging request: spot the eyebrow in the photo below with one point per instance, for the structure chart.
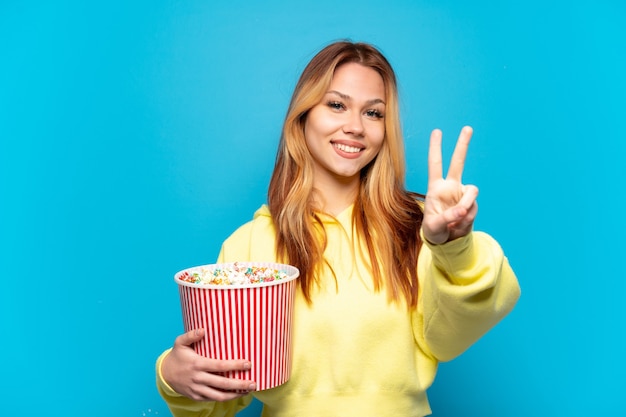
(347, 97)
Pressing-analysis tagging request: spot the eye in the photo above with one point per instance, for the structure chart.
(374, 114)
(336, 105)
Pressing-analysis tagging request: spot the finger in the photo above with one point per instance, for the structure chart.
(469, 218)
(189, 338)
(464, 225)
(216, 388)
(218, 365)
(457, 162)
(223, 383)
(469, 215)
(435, 168)
(210, 384)
(468, 198)
(451, 216)
(465, 205)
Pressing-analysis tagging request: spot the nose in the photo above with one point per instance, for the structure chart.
(353, 124)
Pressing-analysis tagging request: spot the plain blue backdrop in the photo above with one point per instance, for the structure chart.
(135, 136)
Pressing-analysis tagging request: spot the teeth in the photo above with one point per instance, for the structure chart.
(346, 148)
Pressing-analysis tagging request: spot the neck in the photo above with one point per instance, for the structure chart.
(333, 197)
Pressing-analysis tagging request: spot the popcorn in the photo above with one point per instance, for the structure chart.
(234, 275)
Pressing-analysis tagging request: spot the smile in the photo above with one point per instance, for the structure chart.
(346, 148)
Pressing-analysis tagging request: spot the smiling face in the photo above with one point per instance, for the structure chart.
(345, 130)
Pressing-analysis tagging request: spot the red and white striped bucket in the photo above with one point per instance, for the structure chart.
(247, 321)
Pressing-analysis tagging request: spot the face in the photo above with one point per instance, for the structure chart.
(345, 131)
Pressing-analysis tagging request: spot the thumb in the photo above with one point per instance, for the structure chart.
(191, 337)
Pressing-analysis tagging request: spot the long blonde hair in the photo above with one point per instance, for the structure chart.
(385, 215)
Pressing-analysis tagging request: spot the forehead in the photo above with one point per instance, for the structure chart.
(358, 81)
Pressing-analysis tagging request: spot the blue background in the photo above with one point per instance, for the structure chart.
(135, 136)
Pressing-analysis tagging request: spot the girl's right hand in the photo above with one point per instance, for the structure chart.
(450, 207)
(195, 377)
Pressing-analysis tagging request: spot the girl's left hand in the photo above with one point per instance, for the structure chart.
(450, 207)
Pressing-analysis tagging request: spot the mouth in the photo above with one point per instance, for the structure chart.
(346, 148)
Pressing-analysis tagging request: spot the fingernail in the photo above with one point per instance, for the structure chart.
(252, 387)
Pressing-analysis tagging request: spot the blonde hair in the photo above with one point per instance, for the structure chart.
(385, 215)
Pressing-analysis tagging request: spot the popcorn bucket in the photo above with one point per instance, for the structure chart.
(250, 321)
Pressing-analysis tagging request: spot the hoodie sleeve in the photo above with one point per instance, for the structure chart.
(467, 286)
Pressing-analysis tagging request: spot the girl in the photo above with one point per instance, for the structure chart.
(390, 284)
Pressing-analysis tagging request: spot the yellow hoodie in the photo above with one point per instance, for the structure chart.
(355, 353)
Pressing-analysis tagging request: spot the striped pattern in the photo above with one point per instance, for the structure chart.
(252, 322)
